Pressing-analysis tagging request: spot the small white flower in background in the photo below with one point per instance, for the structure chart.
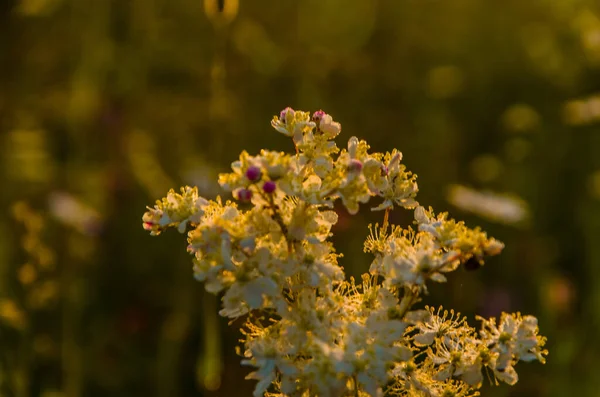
(501, 208)
(307, 330)
(73, 212)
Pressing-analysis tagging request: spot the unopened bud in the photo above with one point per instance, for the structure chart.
(244, 195)
(269, 187)
(253, 173)
(317, 116)
(287, 115)
(355, 166)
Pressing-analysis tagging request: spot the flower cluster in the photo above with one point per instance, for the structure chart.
(308, 330)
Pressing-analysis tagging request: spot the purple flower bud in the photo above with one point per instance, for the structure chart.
(317, 116)
(244, 195)
(269, 187)
(355, 166)
(284, 113)
(253, 173)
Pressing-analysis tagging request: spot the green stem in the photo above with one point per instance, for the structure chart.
(386, 220)
(23, 369)
(210, 362)
(277, 218)
(407, 301)
(174, 331)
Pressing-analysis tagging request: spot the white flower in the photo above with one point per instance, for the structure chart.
(330, 128)
(432, 324)
(514, 338)
(310, 332)
(266, 354)
(242, 297)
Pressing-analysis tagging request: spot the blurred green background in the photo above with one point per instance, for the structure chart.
(106, 104)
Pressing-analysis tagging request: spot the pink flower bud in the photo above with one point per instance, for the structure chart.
(317, 116)
(269, 187)
(253, 173)
(285, 113)
(244, 195)
(355, 166)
